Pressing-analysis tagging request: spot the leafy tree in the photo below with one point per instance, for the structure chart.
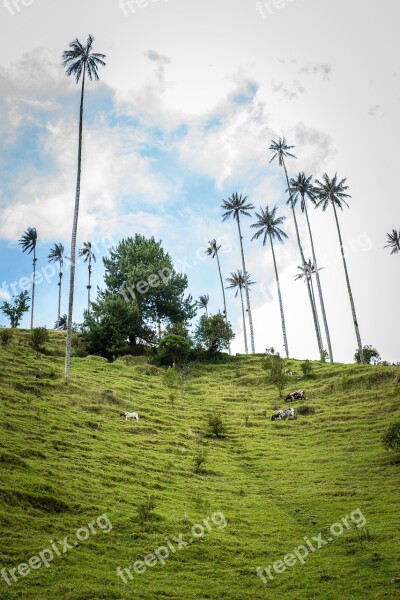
(216, 426)
(28, 242)
(234, 207)
(203, 302)
(303, 188)
(16, 310)
(394, 241)
(213, 333)
(268, 226)
(174, 348)
(79, 60)
(371, 356)
(57, 256)
(280, 150)
(87, 253)
(275, 365)
(237, 281)
(333, 192)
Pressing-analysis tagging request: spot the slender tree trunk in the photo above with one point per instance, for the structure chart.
(73, 238)
(244, 323)
(353, 310)
(223, 292)
(285, 343)
(315, 316)
(59, 297)
(33, 285)
(89, 287)
(321, 298)
(247, 290)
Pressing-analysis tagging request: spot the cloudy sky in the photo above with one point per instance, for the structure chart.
(191, 97)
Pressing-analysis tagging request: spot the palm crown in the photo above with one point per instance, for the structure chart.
(212, 249)
(394, 241)
(81, 58)
(280, 150)
(307, 270)
(302, 187)
(28, 240)
(239, 281)
(203, 301)
(331, 191)
(87, 252)
(268, 225)
(236, 206)
(57, 254)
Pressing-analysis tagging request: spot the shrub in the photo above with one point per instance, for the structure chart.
(146, 509)
(324, 356)
(307, 368)
(391, 438)
(371, 356)
(200, 458)
(6, 336)
(173, 349)
(216, 426)
(276, 366)
(306, 409)
(39, 336)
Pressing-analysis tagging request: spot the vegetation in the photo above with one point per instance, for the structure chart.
(393, 240)
(39, 336)
(16, 310)
(174, 349)
(28, 242)
(57, 256)
(370, 356)
(6, 335)
(275, 365)
(213, 333)
(391, 438)
(238, 282)
(88, 256)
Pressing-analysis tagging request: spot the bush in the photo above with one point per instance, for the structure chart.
(305, 410)
(371, 356)
(216, 426)
(307, 368)
(6, 336)
(39, 336)
(200, 458)
(391, 438)
(323, 356)
(145, 510)
(173, 349)
(276, 366)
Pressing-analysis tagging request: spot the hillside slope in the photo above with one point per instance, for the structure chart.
(67, 458)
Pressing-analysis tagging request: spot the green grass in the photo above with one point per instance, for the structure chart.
(66, 457)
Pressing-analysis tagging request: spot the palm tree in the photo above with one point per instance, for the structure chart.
(307, 272)
(87, 253)
(280, 150)
(78, 61)
(57, 256)
(28, 242)
(212, 251)
(394, 241)
(333, 192)
(203, 302)
(239, 282)
(268, 225)
(234, 207)
(61, 324)
(303, 187)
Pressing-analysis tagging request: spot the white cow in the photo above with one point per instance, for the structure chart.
(130, 415)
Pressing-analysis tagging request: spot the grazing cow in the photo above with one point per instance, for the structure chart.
(297, 395)
(289, 413)
(130, 415)
(289, 373)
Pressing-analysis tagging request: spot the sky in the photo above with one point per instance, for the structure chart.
(190, 99)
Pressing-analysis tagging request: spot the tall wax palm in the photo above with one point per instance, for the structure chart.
(212, 251)
(394, 241)
(78, 61)
(28, 242)
(268, 226)
(302, 187)
(280, 151)
(57, 256)
(235, 206)
(333, 192)
(88, 254)
(203, 302)
(307, 272)
(240, 282)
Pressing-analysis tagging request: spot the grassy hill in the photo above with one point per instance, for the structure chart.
(67, 459)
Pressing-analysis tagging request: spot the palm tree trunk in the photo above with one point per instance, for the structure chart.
(321, 298)
(247, 290)
(59, 297)
(89, 287)
(353, 310)
(244, 323)
(73, 238)
(315, 316)
(285, 343)
(33, 285)
(223, 292)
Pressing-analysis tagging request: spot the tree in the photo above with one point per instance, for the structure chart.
(333, 192)
(212, 251)
(16, 310)
(394, 241)
(275, 365)
(203, 302)
(280, 150)
(213, 333)
(268, 226)
(39, 336)
(234, 207)
(371, 356)
(61, 324)
(57, 256)
(303, 187)
(78, 61)
(237, 281)
(306, 273)
(88, 254)
(28, 242)
(174, 348)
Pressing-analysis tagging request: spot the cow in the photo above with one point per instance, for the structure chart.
(297, 395)
(130, 415)
(289, 413)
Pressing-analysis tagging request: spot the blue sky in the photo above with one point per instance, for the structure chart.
(190, 99)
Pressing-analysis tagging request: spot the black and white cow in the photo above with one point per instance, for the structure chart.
(289, 413)
(297, 395)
